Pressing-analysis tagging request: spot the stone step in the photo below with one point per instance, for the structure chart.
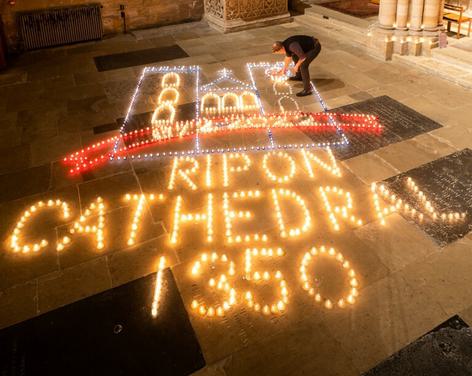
(454, 56)
(344, 24)
(336, 27)
(333, 14)
(443, 69)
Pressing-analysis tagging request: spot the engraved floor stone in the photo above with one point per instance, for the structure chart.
(446, 183)
(444, 351)
(399, 121)
(141, 57)
(114, 331)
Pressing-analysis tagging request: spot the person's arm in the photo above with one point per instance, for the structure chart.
(287, 61)
(297, 50)
(297, 66)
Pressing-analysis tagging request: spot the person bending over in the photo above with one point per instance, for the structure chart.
(302, 49)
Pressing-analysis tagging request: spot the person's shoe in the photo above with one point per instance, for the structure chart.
(295, 78)
(304, 93)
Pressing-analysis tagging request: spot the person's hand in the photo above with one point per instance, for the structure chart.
(294, 70)
(280, 72)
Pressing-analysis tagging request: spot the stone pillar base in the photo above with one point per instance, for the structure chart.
(403, 42)
(380, 41)
(228, 26)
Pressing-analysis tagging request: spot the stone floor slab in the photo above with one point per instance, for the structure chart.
(441, 352)
(140, 57)
(73, 284)
(397, 244)
(114, 331)
(441, 275)
(25, 182)
(445, 183)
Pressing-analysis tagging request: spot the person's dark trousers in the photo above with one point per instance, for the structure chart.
(303, 71)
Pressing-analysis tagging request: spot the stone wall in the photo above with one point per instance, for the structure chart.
(140, 13)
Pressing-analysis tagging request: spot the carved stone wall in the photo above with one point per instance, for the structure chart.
(237, 14)
(215, 8)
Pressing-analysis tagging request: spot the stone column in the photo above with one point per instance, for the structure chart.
(402, 14)
(234, 15)
(431, 14)
(441, 14)
(387, 13)
(416, 15)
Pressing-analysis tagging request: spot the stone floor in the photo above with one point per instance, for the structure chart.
(51, 102)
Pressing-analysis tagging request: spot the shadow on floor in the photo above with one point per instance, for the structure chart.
(327, 84)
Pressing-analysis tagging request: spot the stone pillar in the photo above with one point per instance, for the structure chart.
(441, 14)
(416, 15)
(407, 27)
(387, 13)
(431, 14)
(402, 14)
(234, 15)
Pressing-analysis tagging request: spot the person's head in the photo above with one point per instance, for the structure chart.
(278, 48)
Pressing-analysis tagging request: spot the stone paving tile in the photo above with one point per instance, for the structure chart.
(84, 91)
(54, 148)
(113, 188)
(384, 320)
(370, 168)
(392, 91)
(86, 78)
(37, 125)
(459, 137)
(361, 96)
(445, 275)
(359, 80)
(61, 177)
(453, 96)
(436, 111)
(39, 103)
(18, 303)
(10, 134)
(96, 103)
(72, 284)
(87, 119)
(12, 78)
(25, 182)
(341, 101)
(433, 144)
(119, 90)
(310, 347)
(14, 158)
(409, 154)
(397, 244)
(138, 261)
(104, 171)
